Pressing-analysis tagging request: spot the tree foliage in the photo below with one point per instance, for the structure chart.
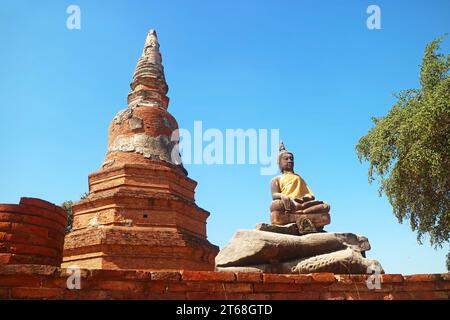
(448, 262)
(408, 150)
(67, 205)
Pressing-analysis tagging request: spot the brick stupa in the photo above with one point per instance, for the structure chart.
(140, 212)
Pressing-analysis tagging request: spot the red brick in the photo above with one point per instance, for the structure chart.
(213, 296)
(313, 295)
(5, 236)
(197, 286)
(27, 240)
(17, 259)
(348, 287)
(37, 203)
(109, 274)
(158, 286)
(48, 282)
(239, 287)
(317, 286)
(5, 226)
(9, 207)
(166, 276)
(165, 296)
(5, 258)
(397, 296)
(430, 295)
(257, 296)
(332, 296)
(29, 228)
(4, 293)
(345, 284)
(385, 287)
(139, 275)
(303, 278)
(422, 277)
(94, 294)
(287, 278)
(71, 294)
(98, 274)
(116, 285)
(127, 295)
(10, 217)
(443, 285)
(391, 278)
(249, 277)
(324, 277)
(4, 247)
(33, 270)
(36, 293)
(365, 295)
(418, 286)
(19, 281)
(351, 278)
(277, 287)
(46, 223)
(208, 276)
(33, 250)
(27, 210)
(277, 278)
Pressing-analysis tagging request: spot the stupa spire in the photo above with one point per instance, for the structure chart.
(141, 212)
(149, 87)
(151, 43)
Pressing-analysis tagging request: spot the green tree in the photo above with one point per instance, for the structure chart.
(448, 261)
(408, 150)
(67, 205)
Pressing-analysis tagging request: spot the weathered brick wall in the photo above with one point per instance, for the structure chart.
(31, 243)
(47, 282)
(32, 232)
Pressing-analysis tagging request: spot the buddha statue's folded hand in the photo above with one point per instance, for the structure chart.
(307, 197)
(287, 202)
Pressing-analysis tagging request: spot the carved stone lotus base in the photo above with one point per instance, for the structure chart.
(319, 220)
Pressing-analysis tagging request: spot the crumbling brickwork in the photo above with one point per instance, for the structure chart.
(44, 282)
(32, 232)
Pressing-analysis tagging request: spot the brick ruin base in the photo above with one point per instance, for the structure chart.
(47, 282)
(32, 232)
(31, 248)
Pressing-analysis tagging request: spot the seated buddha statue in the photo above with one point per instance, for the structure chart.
(293, 200)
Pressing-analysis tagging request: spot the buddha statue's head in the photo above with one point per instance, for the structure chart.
(285, 159)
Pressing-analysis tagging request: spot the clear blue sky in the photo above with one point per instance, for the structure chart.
(310, 68)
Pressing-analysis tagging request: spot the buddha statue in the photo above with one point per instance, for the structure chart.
(292, 199)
